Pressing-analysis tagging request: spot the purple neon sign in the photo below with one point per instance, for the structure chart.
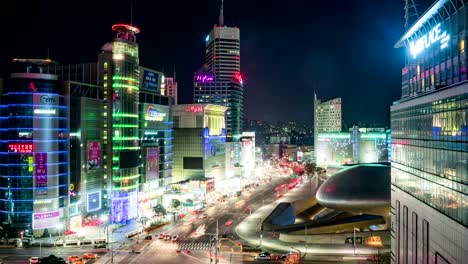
(204, 78)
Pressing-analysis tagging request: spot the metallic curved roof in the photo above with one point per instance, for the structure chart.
(363, 188)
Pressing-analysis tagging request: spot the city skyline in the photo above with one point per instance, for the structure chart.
(173, 39)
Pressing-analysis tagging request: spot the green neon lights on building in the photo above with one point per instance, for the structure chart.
(125, 148)
(115, 158)
(125, 138)
(125, 188)
(122, 85)
(131, 177)
(124, 126)
(124, 115)
(124, 78)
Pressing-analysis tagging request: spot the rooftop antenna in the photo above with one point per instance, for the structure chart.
(131, 12)
(411, 13)
(221, 14)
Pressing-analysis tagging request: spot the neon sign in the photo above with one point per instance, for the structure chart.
(433, 36)
(204, 78)
(194, 109)
(153, 114)
(238, 77)
(42, 111)
(45, 99)
(28, 147)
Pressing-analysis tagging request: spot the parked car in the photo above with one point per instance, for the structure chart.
(73, 258)
(168, 238)
(175, 238)
(263, 257)
(162, 236)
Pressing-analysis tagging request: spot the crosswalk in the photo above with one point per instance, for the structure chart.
(194, 246)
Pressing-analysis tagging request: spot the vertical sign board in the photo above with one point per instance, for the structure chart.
(152, 163)
(94, 155)
(46, 220)
(40, 172)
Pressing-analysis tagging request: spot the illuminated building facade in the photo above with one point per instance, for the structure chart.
(34, 150)
(430, 140)
(87, 183)
(352, 147)
(327, 116)
(156, 140)
(119, 75)
(199, 143)
(221, 80)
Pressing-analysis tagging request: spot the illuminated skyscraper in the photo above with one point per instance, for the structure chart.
(34, 150)
(327, 117)
(171, 88)
(118, 64)
(224, 85)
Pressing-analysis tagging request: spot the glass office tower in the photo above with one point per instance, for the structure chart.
(430, 141)
(34, 151)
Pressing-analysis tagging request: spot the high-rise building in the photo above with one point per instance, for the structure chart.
(119, 75)
(171, 88)
(34, 151)
(156, 141)
(327, 116)
(220, 80)
(430, 140)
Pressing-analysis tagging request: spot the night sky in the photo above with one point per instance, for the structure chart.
(288, 48)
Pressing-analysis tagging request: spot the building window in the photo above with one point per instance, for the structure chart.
(425, 253)
(414, 238)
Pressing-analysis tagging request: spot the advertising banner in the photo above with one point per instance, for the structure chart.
(150, 80)
(156, 112)
(152, 163)
(40, 159)
(94, 155)
(46, 220)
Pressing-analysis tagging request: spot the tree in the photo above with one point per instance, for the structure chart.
(175, 203)
(159, 209)
(310, 168)
(52, 260)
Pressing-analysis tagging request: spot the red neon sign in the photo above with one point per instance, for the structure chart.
(194, 109)
(238, 77)
(28, 147)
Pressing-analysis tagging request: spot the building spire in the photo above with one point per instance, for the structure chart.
(221, 14)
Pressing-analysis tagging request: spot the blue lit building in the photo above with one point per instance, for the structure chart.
(429, 179)
(34, 174)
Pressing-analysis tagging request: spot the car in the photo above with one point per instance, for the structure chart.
(34, 260)
(73, 258)
(100, 245)
(263, 257)
(279, 195)
(89, 256)
(177, 251)
(186, 251)
(175, 238)
(228, 223)
(162, 236)
(168, 237)
(148, 237)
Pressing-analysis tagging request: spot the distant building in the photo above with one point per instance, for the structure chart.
(171, 88)
(430, 140)
(352, 147)
(327, 116)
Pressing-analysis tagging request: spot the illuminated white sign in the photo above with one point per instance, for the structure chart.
(41, 111)
(433, 36)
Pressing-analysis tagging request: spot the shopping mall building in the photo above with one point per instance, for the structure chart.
(430, 140)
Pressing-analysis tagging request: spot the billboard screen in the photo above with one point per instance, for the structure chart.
(40, 159)
(152, 163)
(156, 112)
(46, 220)
(150, 80)
(94, 155)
